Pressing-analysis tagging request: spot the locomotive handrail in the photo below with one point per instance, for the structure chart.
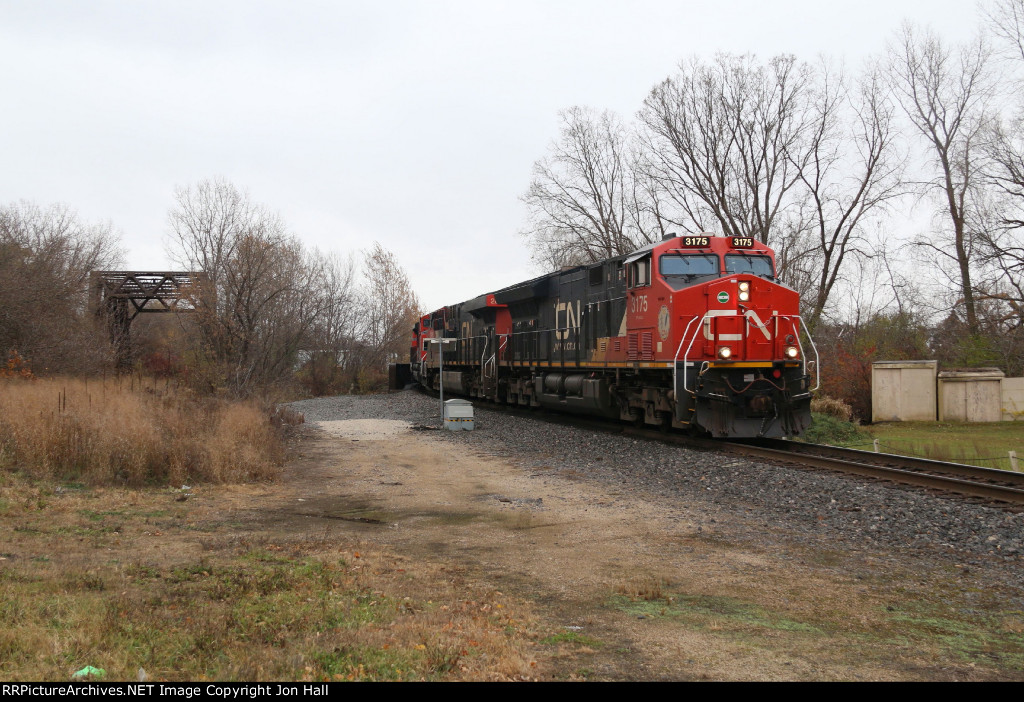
(502, 345)
(675, 359)
(483, 363)
(817, 364)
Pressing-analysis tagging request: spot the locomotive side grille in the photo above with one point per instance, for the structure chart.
(602, 345)
(634, 350)
(617, 345)
(647, 346)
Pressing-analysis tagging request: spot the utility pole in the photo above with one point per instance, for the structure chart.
(440, 368)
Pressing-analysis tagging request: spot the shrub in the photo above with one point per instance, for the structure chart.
(16, 367)
(833, 407)
(827, 429)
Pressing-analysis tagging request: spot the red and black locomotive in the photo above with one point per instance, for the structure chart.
(691, 332)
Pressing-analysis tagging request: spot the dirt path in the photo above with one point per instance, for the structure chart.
(629, 587)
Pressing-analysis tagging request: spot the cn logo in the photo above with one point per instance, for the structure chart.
(572, 319)
(752, 321)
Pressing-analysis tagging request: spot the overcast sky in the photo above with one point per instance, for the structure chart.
(414, 124)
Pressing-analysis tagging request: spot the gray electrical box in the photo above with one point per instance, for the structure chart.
(458, 415)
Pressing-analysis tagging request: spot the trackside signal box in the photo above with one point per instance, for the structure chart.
(458, 415)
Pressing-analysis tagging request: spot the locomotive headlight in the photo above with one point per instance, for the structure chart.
(744, 286)
(724, 353)
(792, 352)
(744, 291)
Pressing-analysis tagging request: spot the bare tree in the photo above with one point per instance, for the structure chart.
(266, 288)
(1005, 19)
(944, 92)
(272, 298)
(336, 327)
(334, 353)
(782, 152)
(389, 307)
(1001, 223)
(724, 139)
(209, 220)
(46, 256)
(849, 172)
(585, 202)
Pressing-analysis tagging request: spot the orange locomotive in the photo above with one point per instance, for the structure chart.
(691, 332)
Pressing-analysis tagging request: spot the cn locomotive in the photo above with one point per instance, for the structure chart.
(692, 332)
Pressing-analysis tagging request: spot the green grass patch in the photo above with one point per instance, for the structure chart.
(984, 444)
(826, 429)
(572, 637)
(980, 637)
(199, 619)
(88, 530)
(363, 663)
(141, 570)
(712, 611)
(95, 516)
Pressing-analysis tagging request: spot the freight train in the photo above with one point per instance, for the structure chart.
(693, 332)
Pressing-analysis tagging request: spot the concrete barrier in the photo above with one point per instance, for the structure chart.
(903, 391)
(970, 395)
(1011, 392)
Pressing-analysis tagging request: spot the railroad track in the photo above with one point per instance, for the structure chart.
(986, 483)
(973, 481)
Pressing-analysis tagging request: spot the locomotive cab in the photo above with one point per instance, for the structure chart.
(739, 366)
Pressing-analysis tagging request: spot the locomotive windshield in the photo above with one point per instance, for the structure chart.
(682, 270)
(749, 263)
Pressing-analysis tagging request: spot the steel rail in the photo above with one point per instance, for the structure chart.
(973, 481)
(893, 459)
(999, 485)
(920, 472)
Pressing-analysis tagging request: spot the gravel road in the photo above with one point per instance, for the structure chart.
(770, 501)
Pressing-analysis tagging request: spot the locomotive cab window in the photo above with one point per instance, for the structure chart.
(685, 269)
(640, 272)
(750, 263)
(597, 275)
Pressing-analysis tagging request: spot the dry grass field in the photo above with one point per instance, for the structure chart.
(185, 589)
(366, 558)
(121, 549)
(122, 431)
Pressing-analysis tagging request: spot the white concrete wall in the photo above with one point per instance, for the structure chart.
(970, 396)
(903, 391)
(1012, 399)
